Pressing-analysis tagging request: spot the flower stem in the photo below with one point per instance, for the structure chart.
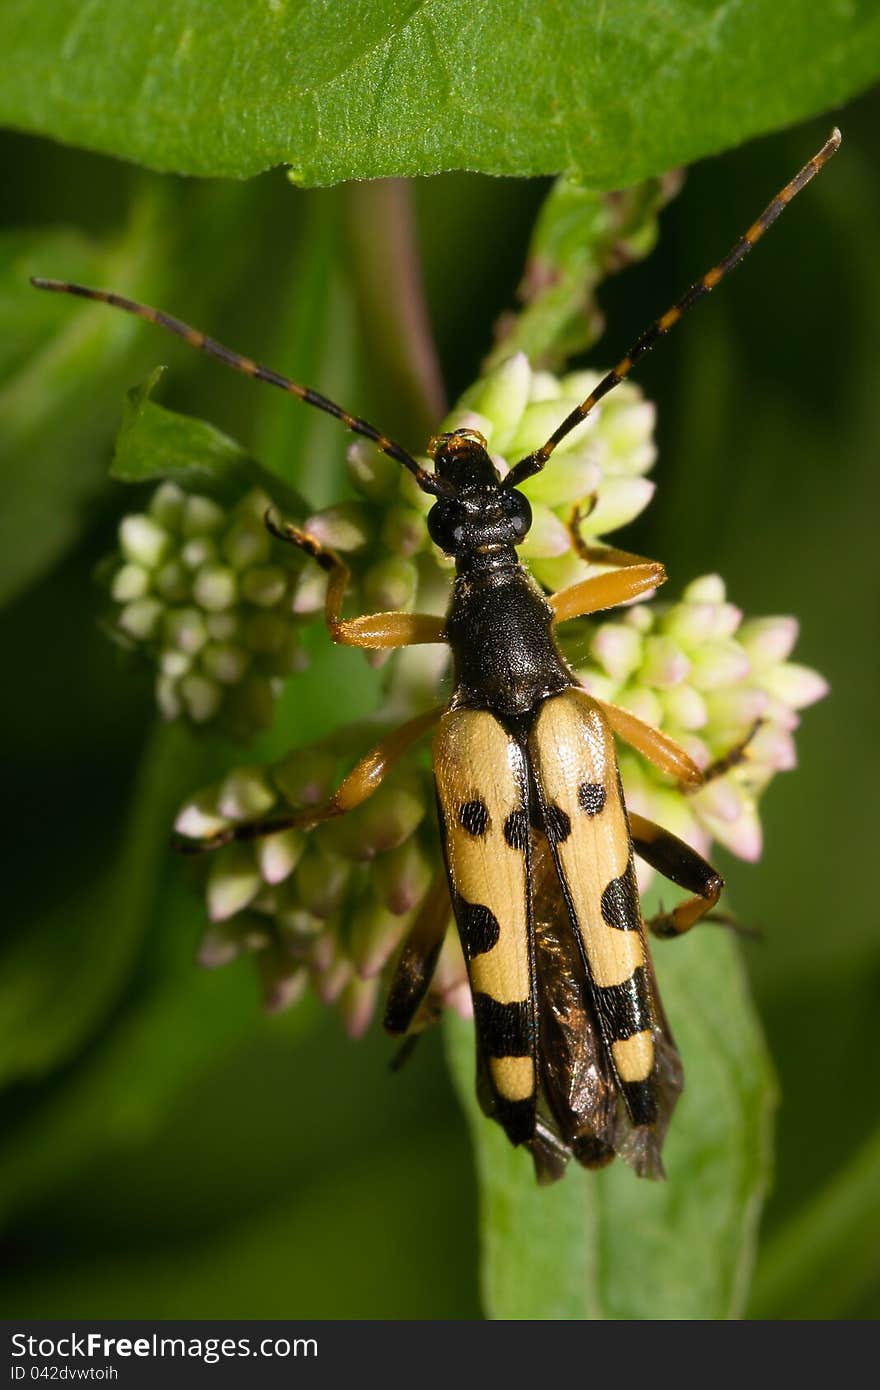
(388, 283)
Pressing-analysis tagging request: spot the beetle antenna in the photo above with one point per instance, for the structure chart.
(426, 480)
(533, 463)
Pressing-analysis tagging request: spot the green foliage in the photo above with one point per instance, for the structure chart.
(837, 1231)
(45, 1014)
(60, 382)
(580, 238)
(155, 443)
(607, 1246)
(374, 88)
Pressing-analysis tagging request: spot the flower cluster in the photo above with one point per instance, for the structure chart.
(596, 483)
(723, 688)
(211, 597)
(328, 906)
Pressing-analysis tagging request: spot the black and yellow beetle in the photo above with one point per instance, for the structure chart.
(574, 1055)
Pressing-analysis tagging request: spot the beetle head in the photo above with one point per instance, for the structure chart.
(479, 516)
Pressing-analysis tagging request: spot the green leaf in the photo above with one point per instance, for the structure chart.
(155, 443)
(377, 87)
(838, 1230)
(609, 1245)
(62, 377)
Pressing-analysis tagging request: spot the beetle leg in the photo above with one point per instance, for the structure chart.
(682, 865)
(418, 957)
(731, 759)
(373, 630)
(657, 747)
(606, 590)
(599, 554)
(364, 779)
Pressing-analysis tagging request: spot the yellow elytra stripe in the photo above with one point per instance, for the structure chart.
(634, 1057)
(572, 745)
(476, 762)
(514, 1077)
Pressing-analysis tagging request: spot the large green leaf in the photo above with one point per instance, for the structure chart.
(608, 1245)
(375, 87)
(154, 443)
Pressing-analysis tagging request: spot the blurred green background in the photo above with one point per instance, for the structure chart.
(168, 1152)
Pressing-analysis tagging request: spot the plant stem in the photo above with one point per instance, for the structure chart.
(387, 277)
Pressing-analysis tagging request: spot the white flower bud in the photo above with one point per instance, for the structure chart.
(202, 516)
(185, 629)
(173, 582)
(166, 505)
(501, 397)
(222, 627)
(143, 541)
(718, 664)
(664, 663)
(174, 664)
(245, 794)
(565, 481)
(201, 696)
(233, 881)
(279, 854)
(140, 619)
(225, 662)
(548, 537)
(768, 640)
(796, 686)
(264, 585)
(621, 500)
(198, 552)
(199, 816)
(618, 650)
(685, 708)
(246, 543)
(168, 696)
(343, 527)
(709, 588)
(130, 582)
(215, 588)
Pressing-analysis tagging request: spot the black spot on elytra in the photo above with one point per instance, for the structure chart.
(503, 1030)
(557, 824)
(620, 901)
(473, 816)
(517, 1118)
(640, 1098)
(478, 927)
(625, 1009)
(516, 829)
(591, 796)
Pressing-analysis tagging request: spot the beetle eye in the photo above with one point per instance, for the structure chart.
(444, 527)
(520, 514)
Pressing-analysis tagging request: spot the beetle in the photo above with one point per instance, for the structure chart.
(575, 1058)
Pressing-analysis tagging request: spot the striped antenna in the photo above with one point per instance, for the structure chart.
(533, 463)
(426, 481)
